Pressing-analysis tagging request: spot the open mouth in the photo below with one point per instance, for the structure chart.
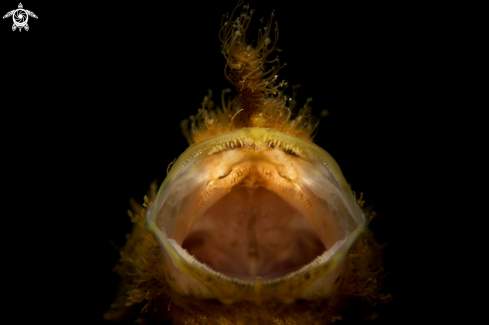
(252, 233)
(254, 206)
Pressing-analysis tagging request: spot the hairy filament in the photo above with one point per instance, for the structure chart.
(259, 101)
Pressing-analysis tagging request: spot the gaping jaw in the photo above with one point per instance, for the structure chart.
(255, 214)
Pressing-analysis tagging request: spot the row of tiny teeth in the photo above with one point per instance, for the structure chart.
(228, 143)
(240, 142)
(283, 144)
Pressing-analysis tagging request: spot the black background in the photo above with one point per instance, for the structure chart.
(92, 106)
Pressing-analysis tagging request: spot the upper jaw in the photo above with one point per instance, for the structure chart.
(298, 171)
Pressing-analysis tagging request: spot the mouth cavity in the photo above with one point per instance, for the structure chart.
(253, 234)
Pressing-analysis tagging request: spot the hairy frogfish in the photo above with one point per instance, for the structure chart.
(254, 223)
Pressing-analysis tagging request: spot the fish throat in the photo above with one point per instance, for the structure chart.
(252, 232)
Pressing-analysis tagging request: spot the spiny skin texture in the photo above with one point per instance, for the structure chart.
(146, 295)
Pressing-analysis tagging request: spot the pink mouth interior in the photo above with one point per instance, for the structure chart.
(252, 233)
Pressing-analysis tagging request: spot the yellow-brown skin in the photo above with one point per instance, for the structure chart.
(147, 293)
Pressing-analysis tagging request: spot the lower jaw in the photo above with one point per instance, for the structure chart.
(188, 277)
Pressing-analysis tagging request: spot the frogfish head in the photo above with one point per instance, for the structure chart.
(253, 213)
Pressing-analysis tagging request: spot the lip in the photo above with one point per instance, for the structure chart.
(309, 170)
